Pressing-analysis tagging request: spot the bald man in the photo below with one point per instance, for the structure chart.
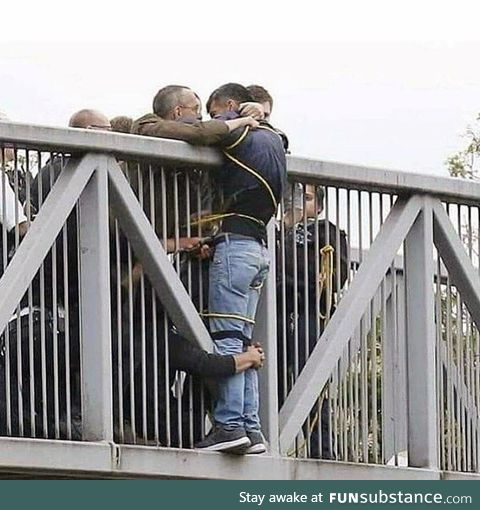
(90, 119)
(55, 297)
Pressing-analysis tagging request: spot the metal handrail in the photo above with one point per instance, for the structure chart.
(173, 151)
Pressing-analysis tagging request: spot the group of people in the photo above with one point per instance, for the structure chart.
(251, 183)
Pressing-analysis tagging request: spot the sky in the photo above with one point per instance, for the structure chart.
(393, 88)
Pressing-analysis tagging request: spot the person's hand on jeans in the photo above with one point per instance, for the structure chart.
(257, 355)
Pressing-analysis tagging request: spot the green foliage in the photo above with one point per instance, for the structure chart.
(466, 162)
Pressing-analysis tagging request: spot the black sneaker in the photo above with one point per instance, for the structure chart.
(257, 442)
(224, 440)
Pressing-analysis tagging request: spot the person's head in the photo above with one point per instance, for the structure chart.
(262, 96)
(300, 198)
(176, 102)
(226, 98)
(121, 124)
(310, 201)
(90, 119)
(6, 154)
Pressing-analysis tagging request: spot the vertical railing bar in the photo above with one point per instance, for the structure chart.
(373, 352)
(363, 348)
(351, 352)
(395, 349)
(142, 322)
(78, 396)
(306, 342)
(449, 445)
(477, 361)
(121, 428)
(200, 272)
(54, 324)
(439, 343)
(188, 213)
(462, 361)
(343, 411)
(467, 359)
(191, 439)
(474, 418)
(66, 303)
(382, 348)
(295, 289)
(318, 329)
(165, 319)
(470, 383)
(31, 356)
(283, 291)
(330, 388)
(458, 369)
(178, 379)
(42, 322)
(188, 230)
(18, 310)
(384, 375)
(131, 337)
(152, 189)
(5, 263)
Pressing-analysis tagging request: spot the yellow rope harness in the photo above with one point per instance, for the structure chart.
(212, 218)
(253, 172)
(325, 278)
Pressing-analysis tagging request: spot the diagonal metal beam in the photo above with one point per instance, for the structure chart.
(43, 232)
(154, 260)
(460, 268)
(341, 327)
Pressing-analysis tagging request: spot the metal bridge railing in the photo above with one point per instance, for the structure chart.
(369, 317)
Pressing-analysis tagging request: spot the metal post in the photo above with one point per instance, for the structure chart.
(421, 403)
(95, 308)
(394, 369)
(265, 332)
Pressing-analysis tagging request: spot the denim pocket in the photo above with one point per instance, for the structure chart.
(259, 279)
(219, 268)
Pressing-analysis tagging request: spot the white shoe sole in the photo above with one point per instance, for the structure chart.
(228, 445)
(256, 449)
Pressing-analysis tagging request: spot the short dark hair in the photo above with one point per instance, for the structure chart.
(233, 91)
(260, 94)
(167, 98)
(121, 124)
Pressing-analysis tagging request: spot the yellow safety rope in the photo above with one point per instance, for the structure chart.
(325, 278)
(253, 172)
(316, 417)
(211, 218)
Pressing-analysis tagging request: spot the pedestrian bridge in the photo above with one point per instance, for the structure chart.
(373, 345)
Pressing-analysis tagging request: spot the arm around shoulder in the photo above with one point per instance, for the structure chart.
(211, 132)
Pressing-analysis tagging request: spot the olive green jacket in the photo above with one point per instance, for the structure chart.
(210, 132)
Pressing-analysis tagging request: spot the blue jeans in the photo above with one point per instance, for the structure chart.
(237, 274)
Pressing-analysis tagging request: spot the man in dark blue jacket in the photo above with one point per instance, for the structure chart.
(251, 180)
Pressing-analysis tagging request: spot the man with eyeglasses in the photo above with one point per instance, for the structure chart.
(177, 114)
